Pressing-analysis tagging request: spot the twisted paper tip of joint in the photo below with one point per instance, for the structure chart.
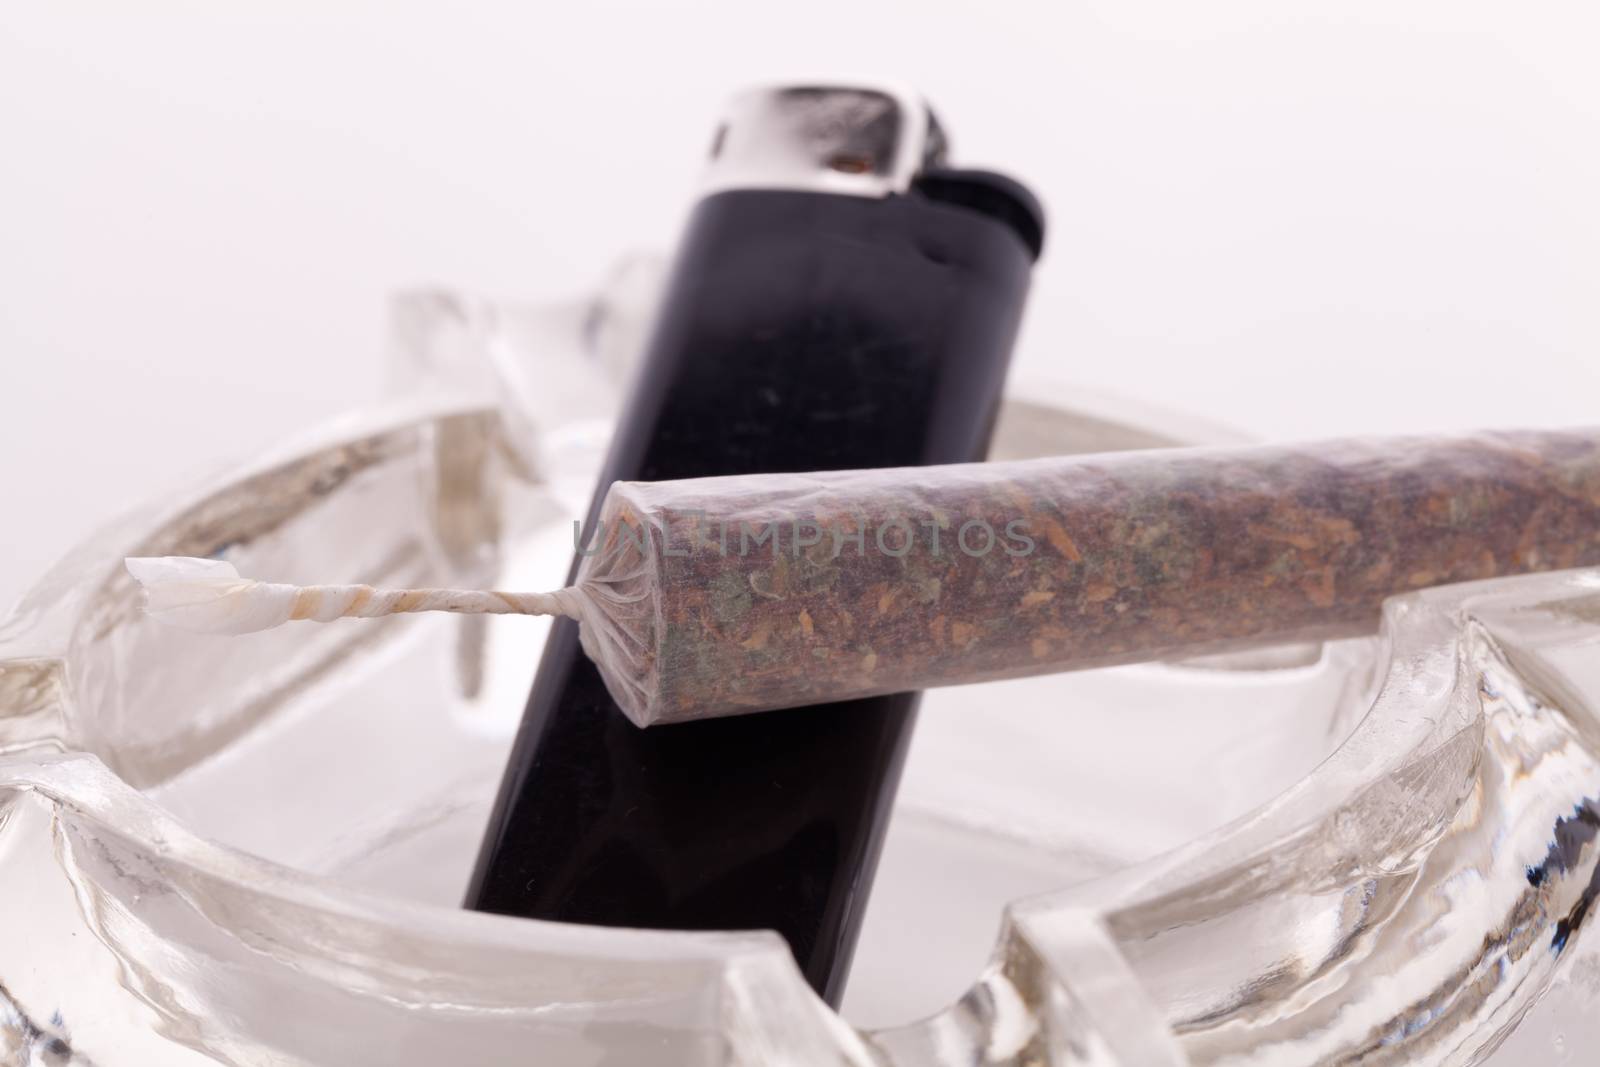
(210, 596)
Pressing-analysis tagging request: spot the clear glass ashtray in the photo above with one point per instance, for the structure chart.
(251, 850)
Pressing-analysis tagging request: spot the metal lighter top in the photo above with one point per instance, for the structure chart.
(850, 140)
(860, 140)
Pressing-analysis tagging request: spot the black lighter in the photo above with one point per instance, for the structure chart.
(840, 299)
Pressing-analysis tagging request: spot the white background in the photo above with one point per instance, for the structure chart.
(1298, 218)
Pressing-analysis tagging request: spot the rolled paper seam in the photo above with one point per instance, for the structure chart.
(210, 596)
(719, 596)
